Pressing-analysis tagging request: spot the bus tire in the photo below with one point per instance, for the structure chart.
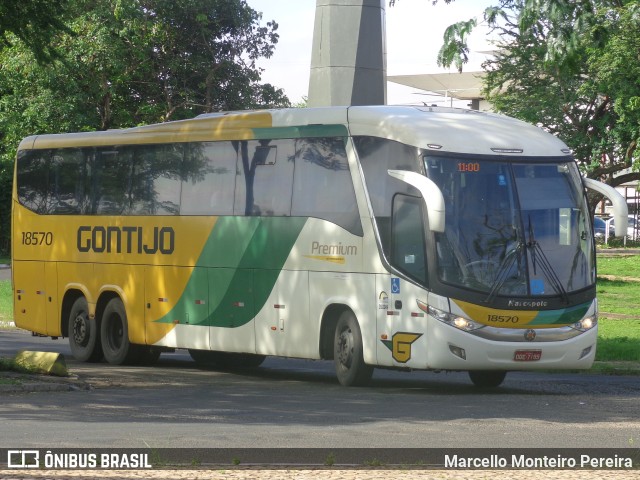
(348, 355)
(487, 378)
(114, 334)
(84, 333)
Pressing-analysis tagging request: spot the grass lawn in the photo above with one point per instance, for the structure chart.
(617, 293)
(619, 297)
(6, 302)
(618, 340)
(627, 266)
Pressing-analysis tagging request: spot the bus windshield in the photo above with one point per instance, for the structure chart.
(513, 228)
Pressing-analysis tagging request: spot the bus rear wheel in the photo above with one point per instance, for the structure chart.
(487, 378)
(84, 335)
(348, 354)
(114, 333)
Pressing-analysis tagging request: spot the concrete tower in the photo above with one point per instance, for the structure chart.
(348, 59)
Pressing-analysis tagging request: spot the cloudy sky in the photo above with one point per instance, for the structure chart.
(414, 35)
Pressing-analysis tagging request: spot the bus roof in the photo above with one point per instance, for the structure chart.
(437, 128)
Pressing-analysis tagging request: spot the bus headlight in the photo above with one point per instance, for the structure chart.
(587, 323)
(461, 323)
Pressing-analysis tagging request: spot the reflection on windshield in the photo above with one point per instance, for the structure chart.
(512, 229)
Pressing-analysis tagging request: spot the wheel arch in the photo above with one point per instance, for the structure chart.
(328, 324)
(70, 296)
(105, 297)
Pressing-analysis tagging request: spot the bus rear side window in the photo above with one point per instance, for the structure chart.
(53, 181)
(208, 186)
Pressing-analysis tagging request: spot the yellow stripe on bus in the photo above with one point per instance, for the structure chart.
(327, 258)
(95, 254)
(227, 127)
(496, 317)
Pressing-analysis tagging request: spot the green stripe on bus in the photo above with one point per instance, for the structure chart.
(243, 257)
(565, 316)
(305, 131)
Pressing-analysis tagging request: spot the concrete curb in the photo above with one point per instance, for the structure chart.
(26, 383)
(51, 363)
(34, 387)
(617, 252)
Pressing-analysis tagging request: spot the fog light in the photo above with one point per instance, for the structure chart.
(585, 352)
(458, 352)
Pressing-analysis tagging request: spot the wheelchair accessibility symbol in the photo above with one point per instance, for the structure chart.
(395, 285)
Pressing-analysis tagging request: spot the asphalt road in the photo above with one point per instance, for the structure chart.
(298, 403)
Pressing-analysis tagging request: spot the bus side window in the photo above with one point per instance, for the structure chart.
(111, 181)
(407, 237)
(33, 179)
(155, 179)
(322, 185)
(264, 177)
(377, 157)
(209, 176)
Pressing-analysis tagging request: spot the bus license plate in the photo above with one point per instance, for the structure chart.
(527, 355)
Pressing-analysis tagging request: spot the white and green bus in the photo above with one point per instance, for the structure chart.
(395, 237)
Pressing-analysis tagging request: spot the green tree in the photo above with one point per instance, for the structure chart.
(33, 22)
(564, 25)
(614, 71)
(571, 68)
(132, 62)
(587, 94)
(6, 176)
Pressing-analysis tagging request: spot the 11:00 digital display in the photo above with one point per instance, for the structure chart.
(468, 167)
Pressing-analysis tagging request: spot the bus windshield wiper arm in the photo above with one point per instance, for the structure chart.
(545, 265)
(503, 272)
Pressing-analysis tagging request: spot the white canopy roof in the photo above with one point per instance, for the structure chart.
(462, 86)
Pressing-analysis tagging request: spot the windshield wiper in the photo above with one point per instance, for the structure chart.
(503, 272)
(545, 265)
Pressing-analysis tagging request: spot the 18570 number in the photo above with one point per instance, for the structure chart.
(37, 238)
(503, 319)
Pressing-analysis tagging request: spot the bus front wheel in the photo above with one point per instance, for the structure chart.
(487, 378)
(114, 333)
(347, 352)
(83, 333)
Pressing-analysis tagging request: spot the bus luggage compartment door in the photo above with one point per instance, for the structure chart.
(30, 293)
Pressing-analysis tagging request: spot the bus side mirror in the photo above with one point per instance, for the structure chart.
(619, 203)
(431, 194)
